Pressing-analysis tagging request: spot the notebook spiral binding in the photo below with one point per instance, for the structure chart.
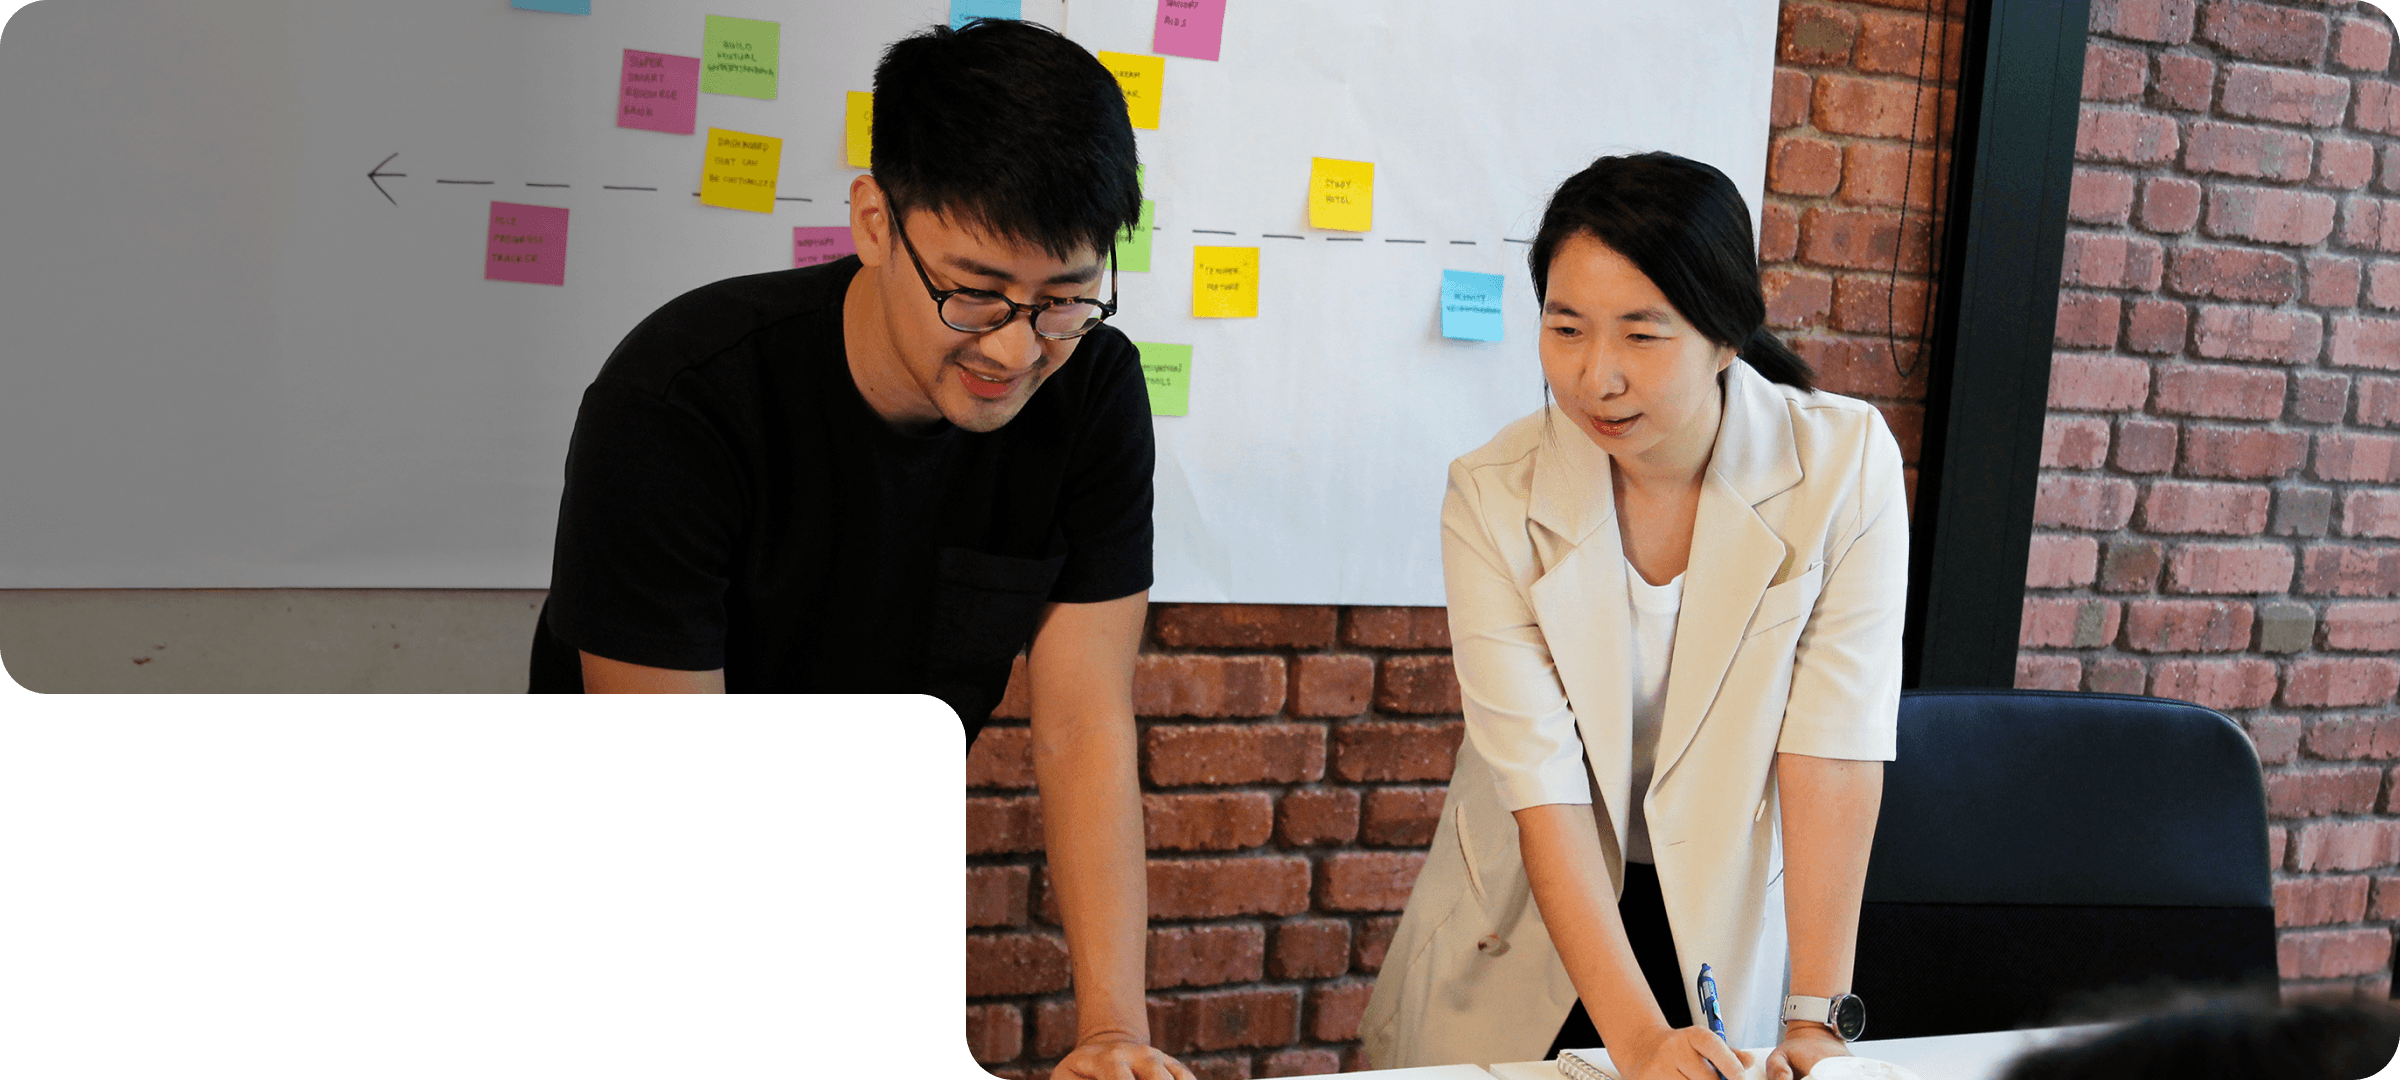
(1576, 1068)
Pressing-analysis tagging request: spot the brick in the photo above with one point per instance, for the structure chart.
(1000, 825)
(1310, 948)
(1803, 166)
(2320, 397)
(1211, 1067)
(2370, 223)
(2285, 626)
(1816, 36)
(2378, 108)
(2216, 684)
(1863, 239)
(2390, 184)
(2061, 562)
(1054, 1028)
(2326, 954)
(2048, 672)
(2373, 459)
(2098, 383)
(2156, 326)
(2270, 215)
(2338, 682)
(1178, 755)
(2289, 97)
(2067, 623)
(1397, 628)
(1207, 955)
(1327, 684)
(2247, 333)
(1002, 757)
(2227, 273)
(1870, 305)
(2263, 32)
(2222, 569)
(1315, 1061)
(2145, 446)
(995, 1032)
(2178, 507)
(1796, 299)
(1223, 888)
(1401, 816)
(2170, 205)
(2187, 83)
(996, 895)
(2074, 442)
(1209, 821)
(2088, 320)
(1877, 108)
(2371, 514)
(1373, 941)
(1334, 1010)
(2242, 453)
(2230, 393)
(2115, 675)
(2332, 570)
(2362, 45)
(2363, 627)
(2114, 73)
(2333, 281)
(1863, 367)
(1896, 45)
(2113, 261)
(1393, 751)
(2277, 739)
(2092, 503)
(1907, 425)
(2317, 901)
(2182, 626)
(2364, 342)
(2383, 285)
(2278, 846)
(1225, 1019)
(2162, 22)
(2378, 402)
(1791, 102)
(2355, 738)
(2125, 138)
(1416, 685)
(2301, 511)
(1302, 626)
(1368, 880)
(1015, 964)
(2100, 196)
(2242, 150)
(2385, 903)
(1208, 686)
(2132, 566)
(2343, 164)
(1317, 816)
(1882, 174)
(1778, 233)
(2322, 792)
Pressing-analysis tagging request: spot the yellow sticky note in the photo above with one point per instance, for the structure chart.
(1144, 80)
(1224, 282)
(858, 129)
(1341, 194)
(740, 171)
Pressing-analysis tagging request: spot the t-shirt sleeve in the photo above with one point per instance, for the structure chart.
(1104, 507)
(646, 528)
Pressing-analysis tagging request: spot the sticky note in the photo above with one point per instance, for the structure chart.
(1133, 245)
(562, 7)
(1168, 370)
(858, 130)
(1341, 194)
(740, 171)
(658, 92)
(525, 243)
(1192, 28)
(1144, 80)
(1224, 282)
(814, 244)
(1470, 305)
(962, 10)
(739, 57)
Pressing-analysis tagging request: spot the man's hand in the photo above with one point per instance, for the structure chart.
(1114, 1056)
(1804, 1044)
(1687, 1053)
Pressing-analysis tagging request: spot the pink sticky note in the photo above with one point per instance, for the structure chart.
(526, 243)
(1192, 28)
(815, 244)
(658, 92)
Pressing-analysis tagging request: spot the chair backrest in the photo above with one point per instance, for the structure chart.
(2036, 847)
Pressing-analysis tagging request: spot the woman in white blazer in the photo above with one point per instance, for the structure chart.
(1675, 606)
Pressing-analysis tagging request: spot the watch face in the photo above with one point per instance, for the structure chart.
(1849, 1017)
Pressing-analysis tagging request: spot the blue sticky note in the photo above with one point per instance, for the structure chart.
(1470, 305)
(563, 7)
(962, 10)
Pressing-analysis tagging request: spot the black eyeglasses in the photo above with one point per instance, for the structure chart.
(981, 311)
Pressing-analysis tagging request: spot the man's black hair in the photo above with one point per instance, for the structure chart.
(1009, 128)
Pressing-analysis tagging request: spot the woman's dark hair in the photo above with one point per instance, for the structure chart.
(1008, 126)
(1685, 227)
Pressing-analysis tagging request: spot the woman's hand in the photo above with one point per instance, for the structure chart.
(1114, 1056)
(1804, 1044)
(1687, 1053)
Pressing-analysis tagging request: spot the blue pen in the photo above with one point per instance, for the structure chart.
(1708, 1008)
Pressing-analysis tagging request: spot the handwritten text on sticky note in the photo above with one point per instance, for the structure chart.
(1193, 28)
(814, 244)
(1168, 371)
(1133, 245)
(1341, 194)
(962, 10)
(740, 171)
(1224, 282)
(658, 92)
(1144, 80)
(1471, 305)
(858, 130)
(525, 243)
(739, 57)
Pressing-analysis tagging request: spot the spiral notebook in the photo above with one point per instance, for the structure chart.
(1595, 1065)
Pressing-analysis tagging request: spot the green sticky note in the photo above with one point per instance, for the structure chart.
(1133, 245)
(739, 57)
(1141, 178)
(1168, 370)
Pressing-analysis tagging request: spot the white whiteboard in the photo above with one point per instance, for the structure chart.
(226, 360)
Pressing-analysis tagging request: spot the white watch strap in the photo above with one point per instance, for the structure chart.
(1813, 1009)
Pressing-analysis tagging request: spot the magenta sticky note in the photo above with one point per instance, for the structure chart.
(526, 243)
(658, 92)
(1192, 28)
(813, 244)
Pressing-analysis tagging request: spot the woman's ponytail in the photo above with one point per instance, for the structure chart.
(1769, 356)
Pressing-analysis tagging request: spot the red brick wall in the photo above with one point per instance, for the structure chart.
(1293, 758)
(2218, 519)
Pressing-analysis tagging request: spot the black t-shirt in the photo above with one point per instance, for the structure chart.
(732, 501)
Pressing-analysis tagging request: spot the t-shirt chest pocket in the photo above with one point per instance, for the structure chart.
(1789, 600)
(985, 608)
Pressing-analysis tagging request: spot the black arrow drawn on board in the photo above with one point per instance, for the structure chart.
(378, 171)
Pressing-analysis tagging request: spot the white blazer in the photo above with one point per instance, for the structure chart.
(1789, 640)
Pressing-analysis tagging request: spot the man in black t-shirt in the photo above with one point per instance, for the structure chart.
(893, 473)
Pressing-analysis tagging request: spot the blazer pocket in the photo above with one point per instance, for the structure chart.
(1790, 600)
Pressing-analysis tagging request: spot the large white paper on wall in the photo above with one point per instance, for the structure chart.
(227, 359)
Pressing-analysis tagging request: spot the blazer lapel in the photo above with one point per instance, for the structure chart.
(1578, 602)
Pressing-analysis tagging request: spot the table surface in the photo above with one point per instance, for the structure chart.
(1979, 1056)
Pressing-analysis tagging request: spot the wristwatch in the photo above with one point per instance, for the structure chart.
(1846, 1015)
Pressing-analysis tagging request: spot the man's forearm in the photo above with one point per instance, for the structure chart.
(1092, 827)
(1829, 808)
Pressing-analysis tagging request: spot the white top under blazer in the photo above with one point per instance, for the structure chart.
(1788, 640)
